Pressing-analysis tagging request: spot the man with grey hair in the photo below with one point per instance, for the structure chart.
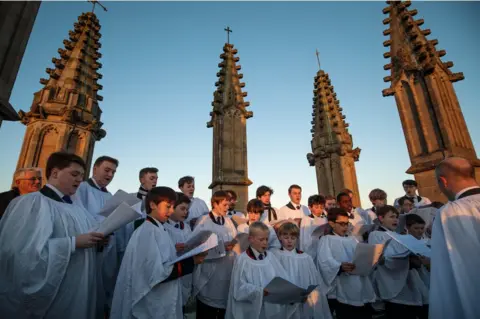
(455, 285)
(26, 180)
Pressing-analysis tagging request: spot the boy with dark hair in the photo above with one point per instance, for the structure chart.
(264, 194)
(198, 207)
(255, 209)
(397, 284)
(378, 198)
(344, 201)
(302, 272)
(318, 217)
(252, 271)
(153, 290)
(294, 209)
(330, 202)
(232, 201)
(410, 187)
(211, 280)
(148, 177)
(405, 205)
(48, 256)
(348, 294)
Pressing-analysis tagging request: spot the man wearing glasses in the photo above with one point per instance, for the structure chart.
(27, 180)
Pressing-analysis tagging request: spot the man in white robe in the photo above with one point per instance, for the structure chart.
(93, 195)
(294, 209)
(198, 207)
(270, 214)
(454, 281)
(48, 253)
(410, 187)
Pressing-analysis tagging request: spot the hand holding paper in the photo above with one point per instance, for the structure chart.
(281, 291)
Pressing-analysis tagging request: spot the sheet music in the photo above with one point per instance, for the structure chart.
(240, 243)
(120, 217)
(281, 291)
(211, 242)
(119, 197)
(414, 245)
(367, 256)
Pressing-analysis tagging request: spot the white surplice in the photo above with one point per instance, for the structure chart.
(287, 213)
(455, 284)
(211, 279)
(345, 288)
(196, 209)
(273, 241)
(179, 235)
(394, 281)
(301, 271)
(307, 226)
(140, 291)
(93, 199)
(42, 274)
(245, 295)
(416, 203)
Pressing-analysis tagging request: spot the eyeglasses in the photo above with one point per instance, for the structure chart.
(342, 223)
(32, 179)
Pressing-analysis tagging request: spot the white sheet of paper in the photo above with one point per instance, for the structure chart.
(414, 245)
(119, 197)
(366, 257)
(217, 252)
(281, 291)
(120, 217)
(211, 242)
(197, 240)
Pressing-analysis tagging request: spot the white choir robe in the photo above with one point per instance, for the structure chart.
(264, 217)
(359, 216)
(197, 209)
(416, 203)
(93, 200)
(286, 212)
(301, 271)
(211, 279)
(455, 284)
(245, 295)
(307, 226)
(140, 291)
(273, 241)
(42, 274)
(369, 216)
(394, 281)
(181, 236)
(349, 289)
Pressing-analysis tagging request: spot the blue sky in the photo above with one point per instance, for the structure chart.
(159, 69)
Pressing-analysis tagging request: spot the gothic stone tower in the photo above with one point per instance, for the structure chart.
(431, 117)
(65, 114)
(229, 123)
(332, 146)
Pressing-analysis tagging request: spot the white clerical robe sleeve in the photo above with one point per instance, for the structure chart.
(326, 263)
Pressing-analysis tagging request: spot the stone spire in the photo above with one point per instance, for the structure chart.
(65, 114)
(332, 146)
(421, 82)
(229, 123)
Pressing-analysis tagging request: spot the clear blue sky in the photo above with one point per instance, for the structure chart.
(159, 69)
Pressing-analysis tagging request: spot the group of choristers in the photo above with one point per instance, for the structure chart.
(53, 264)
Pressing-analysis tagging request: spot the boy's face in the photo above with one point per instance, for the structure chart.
(295, 195)
(253, 217)
(407, 206)
(259, 240)
(317, 209)
(379, 203)
(232, 203)
(221, 208)
(289, 241)
(410, 190)
(188, 189)
(162, 210)
(340, 225)
(149, 181)
(265, 198)
(345, 203)
(180, 213)
(417, 230)
(331, 203)
(389, 221)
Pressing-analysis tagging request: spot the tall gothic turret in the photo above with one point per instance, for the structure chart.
(333, 154)
(421, 82)
(229, 123)
(65, 114)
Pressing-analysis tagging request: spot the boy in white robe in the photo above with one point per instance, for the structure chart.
(378, 198)
(93, 195)
(318, 217)
(410, 187)
(255, 209)
(180, 232)
(330, 202)
(233, 201)
(395, 279)
(294, 209)
(271, 214)
(198, 207)
(48, 252)
(211, 280)
(302, 272)
(252, 271)
(348, 295)
(146, 286)
(148, 177)
(355, 215)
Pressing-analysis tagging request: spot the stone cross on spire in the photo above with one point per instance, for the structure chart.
(318, 59)
(228, 30)
(96, 2)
